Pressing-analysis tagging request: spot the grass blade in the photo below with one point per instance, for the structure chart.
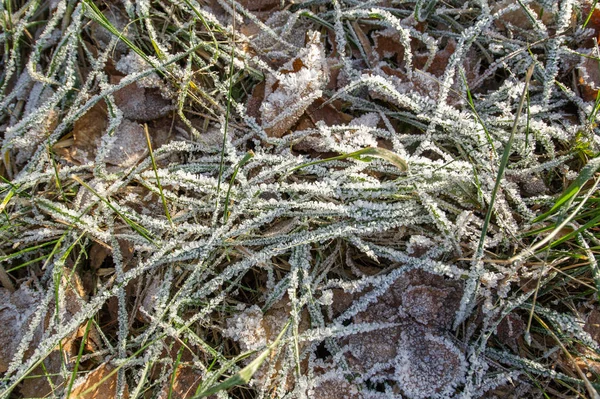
(162, 196)
(503, 163)
(249, 155)
(244, 375)
(574, 188)
(374, 152)
(141, 230)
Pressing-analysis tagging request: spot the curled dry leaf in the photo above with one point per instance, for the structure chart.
(297, 86)
(589, 76)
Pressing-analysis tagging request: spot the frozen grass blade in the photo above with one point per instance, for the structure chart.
(228, 109)
(141, 230)
(502, 166)
(196, 285)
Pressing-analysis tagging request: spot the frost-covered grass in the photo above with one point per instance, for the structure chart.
(324, 199)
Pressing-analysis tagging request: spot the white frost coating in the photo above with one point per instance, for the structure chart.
(247, 329)
(287, 228)
(298, 84)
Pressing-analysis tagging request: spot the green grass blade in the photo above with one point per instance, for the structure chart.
(503, 164)
(244, 375)
(155, 168)
(587, 20)
(374, 152)
(227, 113)
(7, 199)
(141, 230)
(249, 155)
(586, 173)
(79, 355)
(477, 117)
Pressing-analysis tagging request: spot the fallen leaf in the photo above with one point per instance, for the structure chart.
(299, 84)
(260, 5)
(98, 384)
(16, 309)
(129, 140)
(510, 331)
(589, 78)
(139, 103)
(184, 384)
(87, 131)
(519, 18)
(592, 325)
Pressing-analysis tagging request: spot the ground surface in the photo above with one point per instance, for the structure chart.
(309, 199)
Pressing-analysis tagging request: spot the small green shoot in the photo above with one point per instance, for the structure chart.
(589, 17)
(369, 152)
(56, 175)
(567, 197)
(155, 168)
(79, 355)
(477, 117)
(503, 164)
(249, 155)
(243, 376)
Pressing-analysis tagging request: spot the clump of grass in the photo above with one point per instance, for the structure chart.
(481, 173)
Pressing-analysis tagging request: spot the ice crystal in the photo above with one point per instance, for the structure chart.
(299, 83)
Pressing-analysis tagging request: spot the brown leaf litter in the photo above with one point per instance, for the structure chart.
(16, 315)
(101, 383)
(418, 352)
(297, 86)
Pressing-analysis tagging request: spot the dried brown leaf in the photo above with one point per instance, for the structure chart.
(98, 384)
(299, 83)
